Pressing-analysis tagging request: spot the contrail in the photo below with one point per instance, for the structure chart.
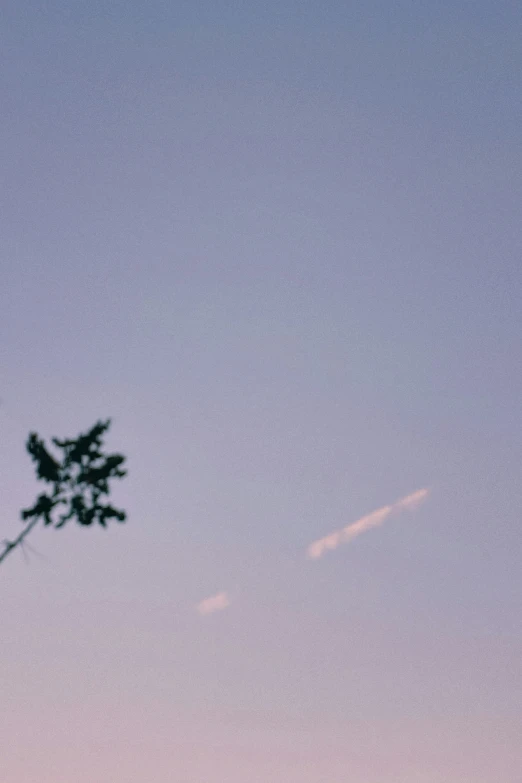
(413, 501)
(375, 519)
(215, 603)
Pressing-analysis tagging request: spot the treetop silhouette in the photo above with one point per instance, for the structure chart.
(79, 483)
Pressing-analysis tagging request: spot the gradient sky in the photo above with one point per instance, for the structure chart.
(280, 244)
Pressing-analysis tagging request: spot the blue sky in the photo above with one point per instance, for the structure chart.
(280, 246)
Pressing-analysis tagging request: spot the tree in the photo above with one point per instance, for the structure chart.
(78, 483)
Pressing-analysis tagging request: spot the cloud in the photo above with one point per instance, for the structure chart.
(318, 548)
(216, 603)
(363, 524)
(413, 501)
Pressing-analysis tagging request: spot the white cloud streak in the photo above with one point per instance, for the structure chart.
(413, 501)
(216, 603)
(409, 503)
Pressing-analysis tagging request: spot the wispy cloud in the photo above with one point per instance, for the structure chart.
(413, 501)
(216, 603)
(375, 519)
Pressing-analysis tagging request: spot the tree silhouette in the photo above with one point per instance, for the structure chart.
(77, 484)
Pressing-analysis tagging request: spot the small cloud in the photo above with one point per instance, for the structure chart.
(216, 603)
(375, 519)
(333, 540)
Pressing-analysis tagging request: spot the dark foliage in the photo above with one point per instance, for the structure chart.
(79, 481)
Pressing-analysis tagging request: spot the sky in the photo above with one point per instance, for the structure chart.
(279, 244)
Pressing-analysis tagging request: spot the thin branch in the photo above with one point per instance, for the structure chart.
(10, 545)
(34, 551)
(22, 548)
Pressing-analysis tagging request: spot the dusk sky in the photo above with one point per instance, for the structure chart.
(280, 245)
